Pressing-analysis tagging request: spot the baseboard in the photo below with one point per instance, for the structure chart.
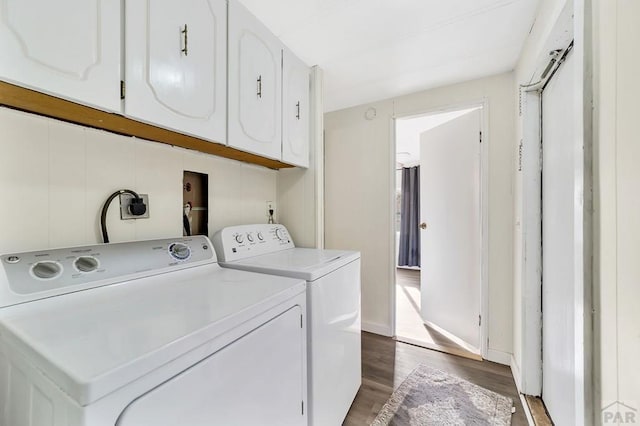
(515, 371)
(500, 357)
(375, 328)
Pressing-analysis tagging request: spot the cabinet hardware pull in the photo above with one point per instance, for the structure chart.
(298, 110)
(185, 33)
(260, 86)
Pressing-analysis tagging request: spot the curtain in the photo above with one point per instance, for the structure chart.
(409, 252)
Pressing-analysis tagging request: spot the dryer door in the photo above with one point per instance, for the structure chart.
(258, 379)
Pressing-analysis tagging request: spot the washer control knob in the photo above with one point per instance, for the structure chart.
(179, 251)
(86, 264)
(281, 234)
(239, 238)
(260, 236)
(250, 237)
(47, 270)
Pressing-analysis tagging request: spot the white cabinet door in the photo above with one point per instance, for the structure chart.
(257, 380)
(66, 48)
(255, 73)
(295, 110)
(175, 67)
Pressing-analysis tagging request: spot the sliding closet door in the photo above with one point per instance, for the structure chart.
(558, 251)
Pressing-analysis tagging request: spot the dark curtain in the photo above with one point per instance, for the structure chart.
(409, 252)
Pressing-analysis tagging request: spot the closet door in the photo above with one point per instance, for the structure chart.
(66, 48)
(255, 74)
(559, 256)
(176, 65)
(295, 110)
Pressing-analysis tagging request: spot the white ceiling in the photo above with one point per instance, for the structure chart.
(377, 49)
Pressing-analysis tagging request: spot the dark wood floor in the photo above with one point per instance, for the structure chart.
(386, 363)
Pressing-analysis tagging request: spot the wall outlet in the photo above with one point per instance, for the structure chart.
(125, 200)
(271, 205)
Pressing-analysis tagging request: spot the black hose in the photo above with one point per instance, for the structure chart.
(103, 216)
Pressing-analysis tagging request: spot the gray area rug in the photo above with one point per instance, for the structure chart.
(432, 397)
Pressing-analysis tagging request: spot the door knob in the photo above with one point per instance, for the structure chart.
(423, 225)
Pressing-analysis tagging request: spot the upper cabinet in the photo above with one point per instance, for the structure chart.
(295, 110)
(66, 48)
(254, 85)
(175, 65)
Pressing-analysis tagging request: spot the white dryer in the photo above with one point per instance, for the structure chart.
(333, 305)
(148, 333)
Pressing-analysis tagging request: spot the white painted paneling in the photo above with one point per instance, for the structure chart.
(359, 178)
(67, 179)
(224, 193)
(59, 175)
(24, 172)
(256, 182)
(110, 166)
(617, 175)
(158, 171)
(628, 203)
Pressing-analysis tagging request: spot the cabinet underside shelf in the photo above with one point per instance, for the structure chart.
(28, 100)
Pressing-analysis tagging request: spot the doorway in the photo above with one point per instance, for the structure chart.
(438, 193)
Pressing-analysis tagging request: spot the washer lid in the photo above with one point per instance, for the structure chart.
(305, 263)
(93, 342)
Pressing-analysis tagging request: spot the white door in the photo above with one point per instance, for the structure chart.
(65, 48)
(451, 243)
(255, 86)
(558, 252)
(176, 65)
(295, 110)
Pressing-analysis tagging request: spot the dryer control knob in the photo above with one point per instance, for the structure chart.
(250, 237)
(46, 270)
(239, 238)
(179, 251)
(281, 234)
(86, 264)
(260, 236)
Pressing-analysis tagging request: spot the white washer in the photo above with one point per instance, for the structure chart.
(148, 333)
(333, 303)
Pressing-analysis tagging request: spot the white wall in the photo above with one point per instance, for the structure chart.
(359, 162)
(55, 177)
(617, 206)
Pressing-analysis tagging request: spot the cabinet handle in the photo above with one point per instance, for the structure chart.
(259, 86)
(298, 110)
(185, 34)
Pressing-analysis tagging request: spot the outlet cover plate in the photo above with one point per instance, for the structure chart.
(125, 200)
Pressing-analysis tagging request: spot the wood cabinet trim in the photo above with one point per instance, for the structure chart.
(39, 103)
